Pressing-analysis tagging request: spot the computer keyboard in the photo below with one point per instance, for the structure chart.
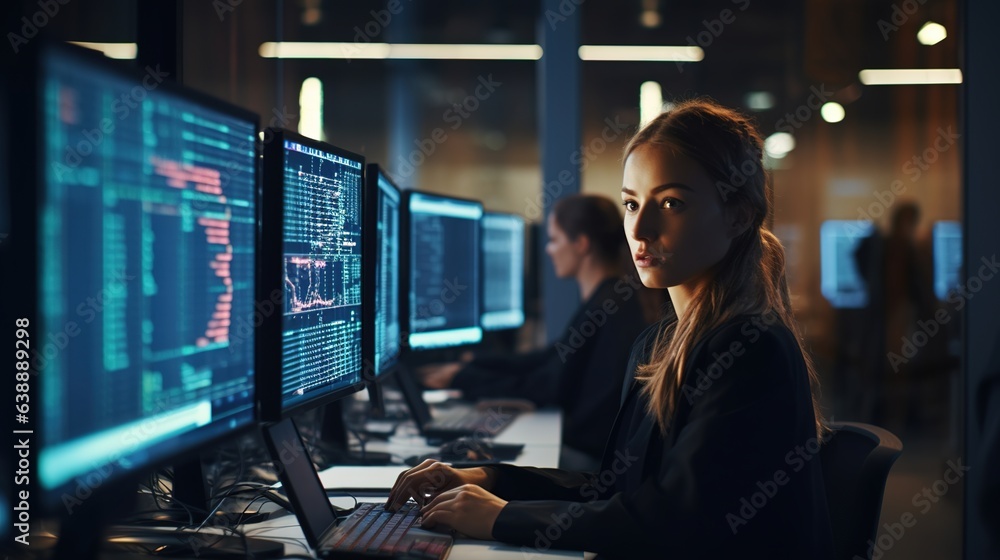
(471, 421)
(374, 532)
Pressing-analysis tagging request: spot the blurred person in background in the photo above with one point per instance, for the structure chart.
(583, 371)
(897, 290)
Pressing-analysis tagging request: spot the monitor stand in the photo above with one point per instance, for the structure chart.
(376, 398)
(188, 490)
(499, 342)
(333, 440)
(189, 484)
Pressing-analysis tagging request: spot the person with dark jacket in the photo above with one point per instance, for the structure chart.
(714, 453)
(582, 371)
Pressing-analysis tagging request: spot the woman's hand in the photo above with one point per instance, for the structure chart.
(430, 479)
(468, 509)
(438, 376)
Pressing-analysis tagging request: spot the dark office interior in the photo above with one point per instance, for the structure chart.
(468, 122)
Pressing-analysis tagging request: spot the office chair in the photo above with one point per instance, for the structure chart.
(856, 461)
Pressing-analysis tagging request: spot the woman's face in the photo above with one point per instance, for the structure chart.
(565, 254)
(675, 222)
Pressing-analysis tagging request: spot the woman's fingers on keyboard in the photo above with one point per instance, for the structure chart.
(441, 498)
(429, 477)
(468, 509)
(394, 501)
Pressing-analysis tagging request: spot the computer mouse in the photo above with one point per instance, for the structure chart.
(467, 449)
(479, 450)
(470, 450)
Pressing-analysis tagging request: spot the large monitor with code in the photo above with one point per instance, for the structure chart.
(503, 271)
(443, 264)
(135, 239)
(312, 248)
(384, 200)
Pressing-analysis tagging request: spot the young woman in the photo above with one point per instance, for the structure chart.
(714, 451)
(583, 371)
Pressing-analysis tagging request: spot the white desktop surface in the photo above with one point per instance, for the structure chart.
(540, 427)
(539, 431)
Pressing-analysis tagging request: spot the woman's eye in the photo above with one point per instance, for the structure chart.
(630, 205)
(671, 203)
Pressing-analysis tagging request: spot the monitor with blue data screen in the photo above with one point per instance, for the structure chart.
(841, 282)
(313, 205)
(443, 263)
(386, 240)
(141, 225)
(947, 239)
(503, 271)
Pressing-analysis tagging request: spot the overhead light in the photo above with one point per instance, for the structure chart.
(312, 12)
(650, 17)
(409, 51)
(122, 51)
(759, 100)
(832, 112)
(639, 53)
(650, 102)
(466, 52)
(932, 33)
(912, 76)
(779, 144)
(311, 108)
(429, 51)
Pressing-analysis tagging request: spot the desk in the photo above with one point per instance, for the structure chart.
(539, 431)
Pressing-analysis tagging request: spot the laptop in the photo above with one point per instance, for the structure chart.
(454, 422)
(369, 532)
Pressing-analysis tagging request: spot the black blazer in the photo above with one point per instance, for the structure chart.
(582, 372)
(737, 475)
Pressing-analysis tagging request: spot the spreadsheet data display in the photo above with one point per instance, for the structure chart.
(147, 228)
(321, 327)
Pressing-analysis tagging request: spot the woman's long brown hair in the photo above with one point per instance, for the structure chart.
(750, 279)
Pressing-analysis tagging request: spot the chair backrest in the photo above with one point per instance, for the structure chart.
(856, 461)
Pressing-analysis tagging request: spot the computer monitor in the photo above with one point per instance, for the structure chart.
(442, 260)
(383, 206)
(841, 283)
(134, 246)
(503, 271)
(947, 239)
(311, 269)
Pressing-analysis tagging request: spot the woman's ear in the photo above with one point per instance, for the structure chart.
(581, 244)
(738, 219)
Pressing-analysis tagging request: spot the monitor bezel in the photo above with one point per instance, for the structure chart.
(269, 385)
(405, 259)
(27, 92)
(482, 270)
